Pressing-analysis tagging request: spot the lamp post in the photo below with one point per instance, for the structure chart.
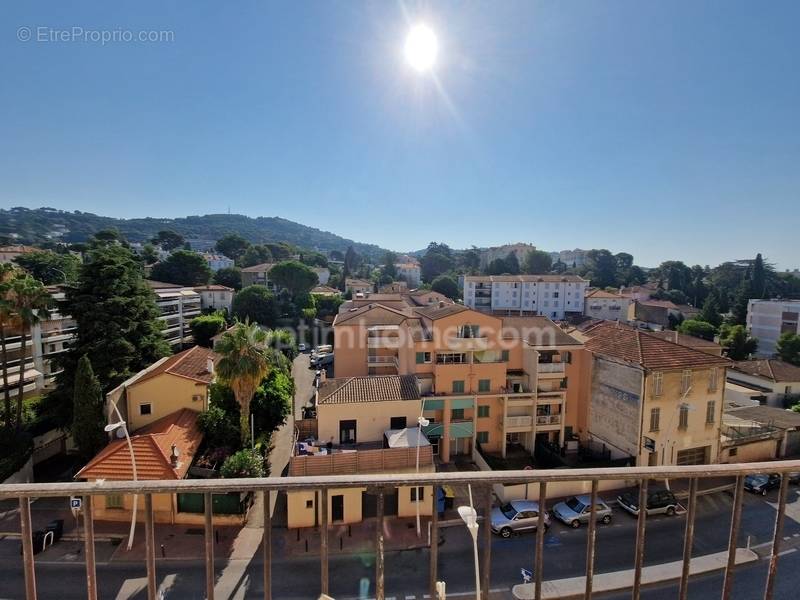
(470, 517)
(421, 422)
(113, 427)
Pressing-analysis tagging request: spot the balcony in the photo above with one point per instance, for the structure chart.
(547, 420)
(383, 342)
(306, 579)
(383, 361)
(518, 424)
(550, 396)
(555, 369)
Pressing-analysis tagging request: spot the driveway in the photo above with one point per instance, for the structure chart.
(303, 384)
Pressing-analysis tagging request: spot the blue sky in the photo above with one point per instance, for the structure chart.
(665, 129)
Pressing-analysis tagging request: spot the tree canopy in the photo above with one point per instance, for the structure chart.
(438, 260)
(168, 240)
(205, 327)
(537, 262)
(183, 267)
(232, 245)
(229, 277)
(50, 267)
(446, 285)
(256, 304)
(737, 343)
(88, 420)
(700, 329)
(294, 276)
(788, 348)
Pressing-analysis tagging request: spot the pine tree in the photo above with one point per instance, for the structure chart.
(741, 301)
(87, 410)
(711, 310)
(117, 325)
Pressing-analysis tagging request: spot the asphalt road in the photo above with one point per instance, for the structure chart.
(303, 382)
(407, 572)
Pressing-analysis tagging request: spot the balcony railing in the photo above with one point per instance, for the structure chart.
(381, 485)
(548, 419)
(523, 421)
(551, 367)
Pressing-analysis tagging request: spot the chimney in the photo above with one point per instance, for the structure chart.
(441, 303)
(210, 364)
(173, 455)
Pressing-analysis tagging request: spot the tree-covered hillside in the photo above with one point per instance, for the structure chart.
(33, 226)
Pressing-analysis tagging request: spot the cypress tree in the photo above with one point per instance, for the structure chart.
(88, 421)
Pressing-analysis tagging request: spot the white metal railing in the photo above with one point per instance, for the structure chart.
(551, 367)
(519, 421)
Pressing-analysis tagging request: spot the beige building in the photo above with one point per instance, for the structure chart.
(599, 304)
(9, 253)
(357, 286)
(365, 425)
(216, 297)
(652, 400)
(769, 381)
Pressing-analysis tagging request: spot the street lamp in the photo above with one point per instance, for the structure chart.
(469, 515)
(422, 422)
(113, 427)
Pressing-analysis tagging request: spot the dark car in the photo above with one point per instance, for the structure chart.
(658, 502)
(761, 483)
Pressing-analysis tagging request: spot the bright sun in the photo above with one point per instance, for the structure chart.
(421, 48)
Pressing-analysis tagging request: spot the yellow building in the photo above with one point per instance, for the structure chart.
(365, 425)
(497, 382)
(655, 401)
(170, 384)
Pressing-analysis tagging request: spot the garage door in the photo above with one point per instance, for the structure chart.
(693, 456)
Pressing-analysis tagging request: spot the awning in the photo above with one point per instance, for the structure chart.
(406, 438)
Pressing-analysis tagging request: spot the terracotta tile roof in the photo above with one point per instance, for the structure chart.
(658, 303)
(19, 248)
(369, 315)
(262, 268)
(191, 363)
(426, 297)
(377, 388)
(538, 331)
(357, 282)
(325, 289)
(770, 368)
(648, 351)
(212, 288)
(685, 340)
(604, 294)
(152, 447)
(157, 285)
(437, 311)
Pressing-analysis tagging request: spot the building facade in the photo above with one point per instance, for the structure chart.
(767, 320)
(519, 250)
(599, 304)
(218, 261)
(216, 297)
(552, 296)
(410, 273)
(178, 305)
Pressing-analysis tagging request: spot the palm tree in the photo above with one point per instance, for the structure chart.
(7, 272)
(30, 301)
(243, 366)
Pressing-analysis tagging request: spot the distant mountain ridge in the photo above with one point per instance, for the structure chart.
(39, 225)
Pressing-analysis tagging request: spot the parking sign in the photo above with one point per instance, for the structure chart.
(75, 503)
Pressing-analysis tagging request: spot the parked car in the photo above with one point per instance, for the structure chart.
(794, 478)
(761, 483)
(578, 509)
(658, 502)
(517, 516)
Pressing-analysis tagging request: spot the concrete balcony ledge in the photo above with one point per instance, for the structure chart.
(575, 587)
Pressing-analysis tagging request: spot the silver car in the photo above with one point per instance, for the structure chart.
(516, 516)
(578, 509)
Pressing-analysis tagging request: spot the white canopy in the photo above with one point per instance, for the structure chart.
(410, 437)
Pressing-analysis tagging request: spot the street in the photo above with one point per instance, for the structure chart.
(407, 571)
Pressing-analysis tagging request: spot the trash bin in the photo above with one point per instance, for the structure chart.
(57, 527)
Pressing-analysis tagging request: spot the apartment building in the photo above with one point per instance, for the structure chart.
(519, 250)
(410, 273)
(357, 286)
(651, 400)
(216, 297)
(652, 314)
(767, 320)
(765, 381)
(599, 304)
(501, 383)
(178, 305)
(218, 261)
(552, 296)
(364, 425)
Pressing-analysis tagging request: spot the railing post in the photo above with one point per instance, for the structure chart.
(209, 532)
(434, 568)
(266, 542)
(640, 526)
(776, 537)
(323, 541)
(487, 544)
(590, 540)
(736, 519)
(379, 569)
(88, 545)
(537, 569)
(150, 547)
(26, 531)
(688, 540)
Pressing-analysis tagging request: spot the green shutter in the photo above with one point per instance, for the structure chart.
(420, 358)
(484, 385)
(458, 386)
(504, 356)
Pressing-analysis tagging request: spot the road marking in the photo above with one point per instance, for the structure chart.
(789, 551)
(787, 537)
(131, 587)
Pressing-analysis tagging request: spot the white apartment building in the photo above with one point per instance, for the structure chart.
(217, 297)
(552, 296)
(573, 258)
(178, 306)
(768, 319)
(410, 273)
(218, 261)
(600, 304)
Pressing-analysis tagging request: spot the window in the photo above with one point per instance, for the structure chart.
(417, 494)
(683, 416)
(787, 389)
(457, 414)
(658, 383)
(504, 355)
(458, 386)
(711, 412)
(655, 417)
(483, 411)
(146, 409)
(397, 423)
(733, 452)
(114, 501)
(309, 504)
(423, 358)
(482, 437)
(555, 294)
(469, 331)
(448, 358)
(712, 380)
(686, 381)
(484, 385)
(566, 357)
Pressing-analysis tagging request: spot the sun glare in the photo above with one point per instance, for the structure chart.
(421, 48)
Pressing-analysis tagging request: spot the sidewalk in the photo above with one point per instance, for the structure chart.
(623, 580)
